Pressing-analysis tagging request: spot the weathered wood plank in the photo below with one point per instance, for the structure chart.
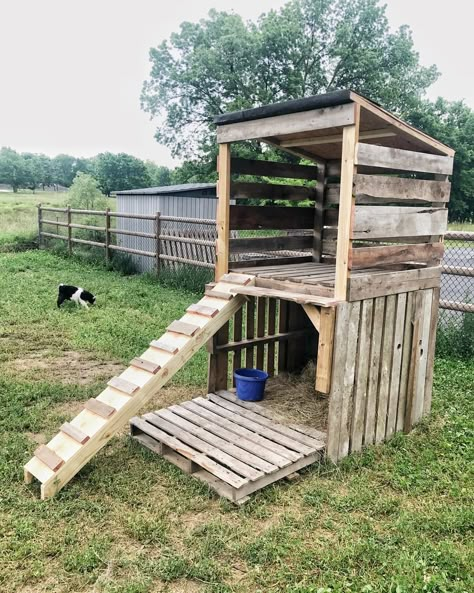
(314, 119)
(165, 346)
(372, 155)
(49, 457)
(352, 336)
(270, 191)
(414, 368)
(374, 370)
(431, 352)
(382, 222)
(385, 368)
(123, 385)
(146, 365)
(202, 310)
(395, 282)
(261, 315)
(75, 433)
(395, 188)
(270, 217)
(271, 331)
(241, 279)
(181, 327)
(272, 169)
(289, 286)
(406, 360)
(299, 298)
(325, 349)
(283, 243)
(362, 374)
(99, 408)
(419, 394)
(366, 257)
(257, 263)
(397, 355)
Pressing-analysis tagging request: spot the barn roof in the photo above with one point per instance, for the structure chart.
(193, 189)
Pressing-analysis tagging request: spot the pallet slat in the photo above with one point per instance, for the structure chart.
(75, 433)
(203, 310)
(123, 385)
(146, 365)
(49, 457)
(181, 327)
(99, 408)
(165, 346)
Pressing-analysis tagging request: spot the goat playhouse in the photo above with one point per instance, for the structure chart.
(362, 305)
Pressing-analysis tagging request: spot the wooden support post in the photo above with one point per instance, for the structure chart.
(325, 349)
(40, 226)
(69, 231)
(318, 214)
(107, 235)
(350, 136)
(157, 243)
(223, 211)
(218, 366)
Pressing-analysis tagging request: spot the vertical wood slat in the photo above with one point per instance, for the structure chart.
(362, 375)
(69, 235)
(223, 211)
(250, 331)
(261, 314)
(319, 213)
(325, 349)
(349, 376)
(271, 331)
(374, 370)
(40, 227)
(397, 353)
(424, 348)
(414, 361)
(431, 352)
(237, 336)
(406, 360)
(385, 368)
(282, 328)
(350, 136)
(157, 228)
(337, 383)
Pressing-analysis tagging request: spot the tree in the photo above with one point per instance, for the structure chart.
(65, 168)
(85, 194)
(13, 169)
(116, 172)
(453, 124)
(158, 175)
(308, 47)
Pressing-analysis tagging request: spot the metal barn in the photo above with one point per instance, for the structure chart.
(190, 200)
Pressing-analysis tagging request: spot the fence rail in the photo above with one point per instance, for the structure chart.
(171, 246)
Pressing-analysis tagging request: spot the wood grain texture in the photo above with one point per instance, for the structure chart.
(99, 408)
(314, 119)
(123, 385)
(165, 346)
(406, 360)
(223, 211)
(283, 243)
(75, 433)
(270, 217)
(366, 257)
(396, 364)
(399, 189)
(369, 285)
(404, 160)
(325, 349)
(381, 222)
(431, 352)
(181, 327)
(270, 191)
(146, 365)
(374, 370)
(385, 368)
(272, 169)
(49, 457)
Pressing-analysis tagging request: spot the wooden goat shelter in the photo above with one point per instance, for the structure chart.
(357, 286)
(347, 277)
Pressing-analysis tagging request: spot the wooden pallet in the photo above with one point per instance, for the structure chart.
(77, 442)
(234, 447)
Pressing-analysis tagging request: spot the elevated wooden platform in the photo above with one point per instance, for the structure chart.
(318, 280)
(235, 447)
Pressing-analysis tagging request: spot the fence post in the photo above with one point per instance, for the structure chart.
(40, 227)
(157, 243)
(107, 235)
(69, 231)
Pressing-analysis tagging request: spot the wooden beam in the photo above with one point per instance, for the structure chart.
(223, 211)
(319, 214)
(273, 169)
(270, 217)
(337, 138)
(382, 186)
(325, 350)
(271, 191)
(346, 208)
(282, 243)
(371, 155)
(293, 123)
(314, 316)
(366, 257)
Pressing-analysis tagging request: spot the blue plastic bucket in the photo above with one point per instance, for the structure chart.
(250, 384)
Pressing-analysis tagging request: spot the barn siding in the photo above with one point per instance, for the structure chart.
(167, 205)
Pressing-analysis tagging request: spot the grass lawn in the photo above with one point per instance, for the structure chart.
(394, 519)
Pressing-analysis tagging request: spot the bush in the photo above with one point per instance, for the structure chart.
(85, 194)
(185, 277)
(455, 337)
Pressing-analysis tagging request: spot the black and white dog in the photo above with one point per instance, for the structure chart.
(75, 293)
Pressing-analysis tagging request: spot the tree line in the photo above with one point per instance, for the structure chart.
(112, 172)
(308, 47)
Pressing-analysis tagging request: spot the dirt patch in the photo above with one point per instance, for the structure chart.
(68, 367)
(38, 437)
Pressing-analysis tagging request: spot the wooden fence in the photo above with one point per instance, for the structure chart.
(172, 246)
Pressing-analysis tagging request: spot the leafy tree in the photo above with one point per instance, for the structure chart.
(308, 47)
(453, 124)
(85, 194)
(13, 169)
(159, 175)
(65, 168)
(116, 172)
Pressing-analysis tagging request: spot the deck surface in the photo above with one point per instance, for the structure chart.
(235, 447)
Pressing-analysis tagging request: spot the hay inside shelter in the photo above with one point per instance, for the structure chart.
(293, 399)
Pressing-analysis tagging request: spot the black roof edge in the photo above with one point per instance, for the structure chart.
(331, 99)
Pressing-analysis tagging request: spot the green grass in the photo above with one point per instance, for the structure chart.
(395, 519)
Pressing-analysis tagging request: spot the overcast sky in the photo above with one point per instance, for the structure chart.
(71, 72)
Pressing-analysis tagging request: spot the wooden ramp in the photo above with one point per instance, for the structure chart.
(78, 441)
(235, 447)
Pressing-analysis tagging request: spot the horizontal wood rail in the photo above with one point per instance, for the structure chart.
(272, 169)
(270, 217)
(456, 306)
(271, 191)
(458, 271)
(281, 243)
(260, 341)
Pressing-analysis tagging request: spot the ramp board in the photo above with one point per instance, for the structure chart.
(80, 439)
(234, 447)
